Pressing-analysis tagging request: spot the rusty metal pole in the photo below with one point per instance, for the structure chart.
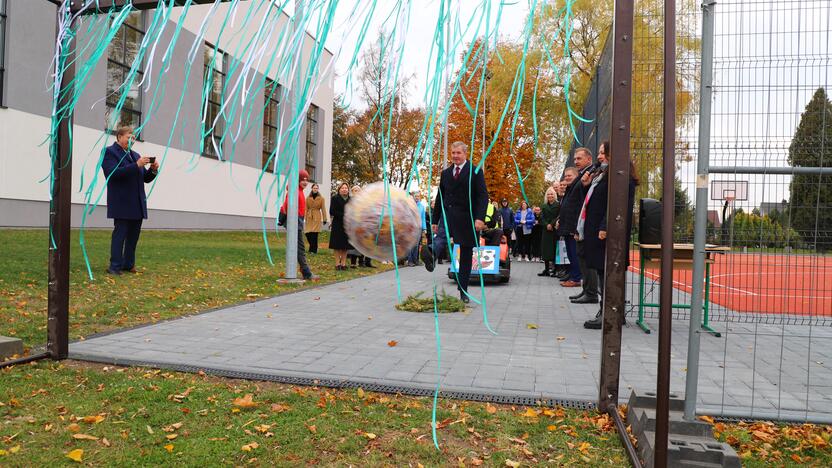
(617, 205)
(668, 202)
(60, 209)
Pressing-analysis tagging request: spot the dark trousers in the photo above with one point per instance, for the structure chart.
(312, 238)
(123, 243)
(466, 258)
(524, 243)
(302, 263)
(590, 282)
(572, 254)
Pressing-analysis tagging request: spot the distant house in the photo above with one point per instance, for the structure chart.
(766, 208)
(713, 218)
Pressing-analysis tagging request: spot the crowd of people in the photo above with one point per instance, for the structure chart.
(567, 233)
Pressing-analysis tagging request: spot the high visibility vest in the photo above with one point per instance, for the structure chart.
(490, 222)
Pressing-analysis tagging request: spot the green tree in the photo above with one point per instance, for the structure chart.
(683, 213)
(811, 195)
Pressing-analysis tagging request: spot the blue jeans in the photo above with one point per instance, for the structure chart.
(572, 254)
(123, 243)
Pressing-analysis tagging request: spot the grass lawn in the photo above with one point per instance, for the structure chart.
(178, 273)
(133, 416)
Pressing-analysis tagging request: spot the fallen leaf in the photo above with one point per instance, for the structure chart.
(105, 442)
(73, 427)
(707, 419)
(512, 463)
(76, 455)
(169, 448)
(476, 462)
(279, 408)
(313, 429)
(93, 419)
(490, 409)
(245, 402)
(370, 435)
(84, 437)
(263, 428)
(14, 449)
(149, 429)
(250, 447)
(551, 428)
(171, 436)
(530, 413)
(392, 343)
(531, 326)
(360, 393)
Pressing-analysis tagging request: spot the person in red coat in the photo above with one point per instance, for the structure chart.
(126, 175)
(303, 181)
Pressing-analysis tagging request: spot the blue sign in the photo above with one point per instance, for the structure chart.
(487, 263)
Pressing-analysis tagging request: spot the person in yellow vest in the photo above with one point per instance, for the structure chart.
(493, 231)
(316, 218)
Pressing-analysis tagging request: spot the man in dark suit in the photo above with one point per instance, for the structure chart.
(463, 194)
(126, 200)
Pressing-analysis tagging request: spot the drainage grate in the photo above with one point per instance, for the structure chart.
(505, 399)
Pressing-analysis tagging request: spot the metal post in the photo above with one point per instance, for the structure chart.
(60, 210)
(617, 206)
(294, 169)
(668, 202)
(701, 216)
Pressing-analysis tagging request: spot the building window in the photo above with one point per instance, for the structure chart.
(271, 118)
(216, 62)
(122, 52)
(311, 140)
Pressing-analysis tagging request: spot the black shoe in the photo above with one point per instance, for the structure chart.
(576, 296)
(596, 323)
(562, 276)
(427, 258)
(585, 300)
(464, 297)
(544, 273)
(113, 272)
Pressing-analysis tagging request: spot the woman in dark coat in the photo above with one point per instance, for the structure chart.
(548, 215)
(338, 240)
(592, 222)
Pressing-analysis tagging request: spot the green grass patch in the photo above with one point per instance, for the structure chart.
(135, 416)
(179, 273)
(444, 303)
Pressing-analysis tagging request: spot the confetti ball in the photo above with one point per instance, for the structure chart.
(367, 222)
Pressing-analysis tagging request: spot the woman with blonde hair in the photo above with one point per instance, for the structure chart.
(316, 217)
(549, 213)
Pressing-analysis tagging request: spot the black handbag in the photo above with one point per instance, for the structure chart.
(281, 219)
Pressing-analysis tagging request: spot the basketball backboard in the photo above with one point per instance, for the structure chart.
(732, 190)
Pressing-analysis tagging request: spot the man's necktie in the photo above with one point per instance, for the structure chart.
(456, 173)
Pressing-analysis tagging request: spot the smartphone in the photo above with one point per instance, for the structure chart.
(152, 159)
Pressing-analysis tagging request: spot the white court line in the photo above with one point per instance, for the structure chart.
(743, 291)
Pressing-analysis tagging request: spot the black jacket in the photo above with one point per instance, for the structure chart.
(595, 249)
(570, 208)
(453, 195)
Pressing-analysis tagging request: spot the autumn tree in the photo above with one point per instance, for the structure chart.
(386, 129)
(346, 166)
(579, 57)
(515, 151)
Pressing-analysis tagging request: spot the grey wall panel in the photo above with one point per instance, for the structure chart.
(91, 110)
(248, 148)
(176, 83)
(35, 214)
(31, 42)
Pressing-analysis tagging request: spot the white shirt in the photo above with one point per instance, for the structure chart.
(459, 167)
